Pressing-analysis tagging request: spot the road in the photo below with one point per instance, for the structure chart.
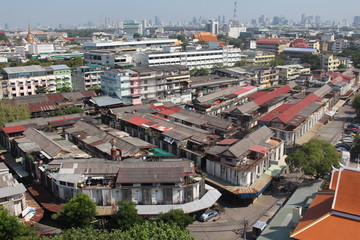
(230, 225)
(332, 131)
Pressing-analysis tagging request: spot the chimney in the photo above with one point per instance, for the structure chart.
(119, 156)
(297, 212)
(113, 149)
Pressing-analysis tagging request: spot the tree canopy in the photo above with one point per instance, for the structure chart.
(126, 216)
(9, 113)
(313, 60)
(314, 158)
(199, 72)
(178, 217)
(356, 104)
(41, 89)
(279, 60)
(11, 228)
(80, 211)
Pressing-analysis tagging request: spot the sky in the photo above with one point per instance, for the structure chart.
(75, 12)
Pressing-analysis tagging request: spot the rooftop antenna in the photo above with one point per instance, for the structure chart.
(235, 13)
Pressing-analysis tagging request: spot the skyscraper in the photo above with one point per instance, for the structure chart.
(157, 21)
(356, 21)
(212, 26)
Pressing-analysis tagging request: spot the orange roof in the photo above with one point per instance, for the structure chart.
(271, 41)
(320, 206)
(331, 226)
(205, 37)
(347, 195)
(334, 179)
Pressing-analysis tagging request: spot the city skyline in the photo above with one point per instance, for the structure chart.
(48, 13)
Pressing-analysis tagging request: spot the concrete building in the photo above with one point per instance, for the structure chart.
(150, 44)
(314, 44)
(133, 28)
(328, 37)
(259, 58)
(37, 49)
(114, 58)
(85, 77)
(330, 63)
(241, 163)
(23, 81)
(12, 193)
(213, 27)
(339, 45)
(227, 56)
(117, 82)
(235, 31)
(274, 45)
(291, 72)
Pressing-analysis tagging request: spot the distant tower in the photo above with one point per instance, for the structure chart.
(29, 38)
(234, 20)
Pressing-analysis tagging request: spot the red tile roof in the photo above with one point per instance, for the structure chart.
(271, 95)
(205, 37)
(227, 141)
(274, 113)
(138, 120)
(296, 108)
(257, 94)
(299, 43)
(14, 129)
(334, 179)
(347, 195)
(259, 149)
(271, 41)
(244, 90)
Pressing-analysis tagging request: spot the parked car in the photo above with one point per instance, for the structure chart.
(206, 216)
(343, 145)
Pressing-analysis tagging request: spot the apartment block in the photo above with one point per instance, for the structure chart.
(86, 77)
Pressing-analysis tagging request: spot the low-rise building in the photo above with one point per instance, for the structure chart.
(86, 77)
(291, 72)
(330, 63)
(23, 81)
(274, 45)
(242, 162)
(260, 58)
(148, 44)
(12, 193)
(339, 45)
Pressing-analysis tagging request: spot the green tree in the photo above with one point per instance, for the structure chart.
(151, 230)
(356, 104)
(279, 60)
(64, 89)
(176, 216)
(126, 216)
(41, 89)
(241, 63)
(9, 113)
(3, 37)
(94, 88)
(80, 211)
(298, 87)
(313, 60)
(314, 158)
(199, 72)
(11, 227)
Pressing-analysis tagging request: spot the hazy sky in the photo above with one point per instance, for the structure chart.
(73, 12)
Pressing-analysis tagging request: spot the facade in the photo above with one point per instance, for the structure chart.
(143, 45)
(243, 162)
(227, 56)
(339, 45)
(12, 193)
(212, 27)
(330, 63)
(110, 57)
(37, 49)
(292, 72)
(274, 45)
(314, 44)
(260, 58)
(143, 84)
(133, 28)
(328, 37)
(23, 81)
(85, 77)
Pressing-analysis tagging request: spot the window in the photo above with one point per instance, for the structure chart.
(62, 183)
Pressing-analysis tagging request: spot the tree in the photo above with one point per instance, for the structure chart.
(9, 113)
(94, 88)
(80, 211)
(313, 60)
(41, 89)
(126, 216)
(199, 72)
(176, 216)
(279, 60)
(64, 89)
(314, 158)
(298, 87)
(151, 230)
(240, 63)
(11, 227)
(356, 104)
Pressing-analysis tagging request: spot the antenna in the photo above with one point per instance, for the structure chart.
(235, 14)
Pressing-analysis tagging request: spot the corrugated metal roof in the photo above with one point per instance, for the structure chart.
(14, 129)
(150, 175)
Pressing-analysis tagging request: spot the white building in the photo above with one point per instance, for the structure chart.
(132, 28)
(36, 49)
(212, 26)
(227, 55)
(117, 82)
(234, 31)
(139, 45)
(328, 37)
(12, 193)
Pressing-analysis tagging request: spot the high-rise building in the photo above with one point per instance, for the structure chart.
(157, 21)
(262, 20)
(317, 20)
(212, 26)
(356, 21)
